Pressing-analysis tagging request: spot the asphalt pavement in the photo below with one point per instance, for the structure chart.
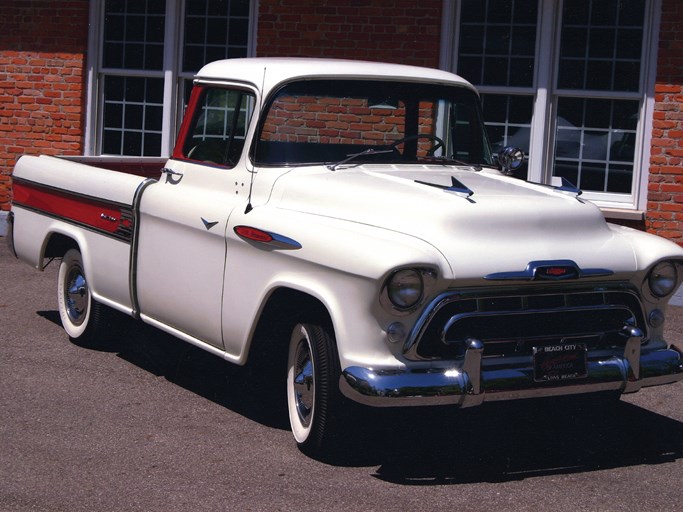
(148, 423)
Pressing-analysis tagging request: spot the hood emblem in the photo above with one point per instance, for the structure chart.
(554, 270)
(557, 272)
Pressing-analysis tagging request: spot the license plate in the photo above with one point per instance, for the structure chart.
(560, 362)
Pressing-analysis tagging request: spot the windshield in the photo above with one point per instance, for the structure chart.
(364, 121)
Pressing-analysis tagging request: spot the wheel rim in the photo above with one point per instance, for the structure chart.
(304, 383)
(76, 296)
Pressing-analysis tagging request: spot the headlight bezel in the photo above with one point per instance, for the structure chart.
(405, 288)
(662, 279)
(399, 296)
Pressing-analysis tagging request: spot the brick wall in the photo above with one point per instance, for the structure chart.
(331, 120)
(665, 196)
(42, 48)
(400, 31)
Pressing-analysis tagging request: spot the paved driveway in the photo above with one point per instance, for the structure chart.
(148, 423)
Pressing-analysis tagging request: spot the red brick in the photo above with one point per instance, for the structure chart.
(43, 49)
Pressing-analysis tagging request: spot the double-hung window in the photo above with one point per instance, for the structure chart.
(141, 61)
(568, 81)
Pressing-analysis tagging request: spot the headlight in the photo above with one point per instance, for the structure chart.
(405, 288)
(663, 279)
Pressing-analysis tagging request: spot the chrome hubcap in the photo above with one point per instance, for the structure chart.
(76, 296)
(304, 383)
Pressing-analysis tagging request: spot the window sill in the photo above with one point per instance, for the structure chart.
(623, 214)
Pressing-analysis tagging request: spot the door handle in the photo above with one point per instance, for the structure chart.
(170, 172)
(172, 176)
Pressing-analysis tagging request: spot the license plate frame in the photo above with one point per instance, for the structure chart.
(560, 362)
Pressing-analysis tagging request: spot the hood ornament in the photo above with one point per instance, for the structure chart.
(457, 187)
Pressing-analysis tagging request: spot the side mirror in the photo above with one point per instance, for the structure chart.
(510, 159)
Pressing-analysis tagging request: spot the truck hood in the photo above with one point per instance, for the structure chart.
(503, 226)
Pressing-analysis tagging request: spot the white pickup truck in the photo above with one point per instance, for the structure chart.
(349, 221)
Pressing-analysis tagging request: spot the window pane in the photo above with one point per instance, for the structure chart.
(317, 121)
(134, 34)
(498, 42)
(595, 143)
(600, 46)
(220, 128)
(214, 29)
(133, 61)
(619, 178)
(132, 116)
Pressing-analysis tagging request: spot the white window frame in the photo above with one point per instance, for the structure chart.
(174, 78)
(624, 206)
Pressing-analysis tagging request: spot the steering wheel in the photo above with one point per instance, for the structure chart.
(209, 151)
(439, 143)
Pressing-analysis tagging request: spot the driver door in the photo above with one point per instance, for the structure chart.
(184, 217)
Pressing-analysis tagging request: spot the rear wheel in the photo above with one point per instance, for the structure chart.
(313, 398)
(82, 316)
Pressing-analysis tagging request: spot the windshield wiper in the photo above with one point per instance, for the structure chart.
(369, 151)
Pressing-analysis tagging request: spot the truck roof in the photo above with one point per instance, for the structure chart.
(267, 72)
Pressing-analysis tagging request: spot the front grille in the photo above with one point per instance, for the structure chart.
(513, 324)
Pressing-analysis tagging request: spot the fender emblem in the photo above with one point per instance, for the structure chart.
(266, 238)
(208, 225)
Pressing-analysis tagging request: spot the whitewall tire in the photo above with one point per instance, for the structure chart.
(313, 397)
(81, 315)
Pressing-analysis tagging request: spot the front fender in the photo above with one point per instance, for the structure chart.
(341, 264)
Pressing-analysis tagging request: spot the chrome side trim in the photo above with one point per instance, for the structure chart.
(135, 242)
(283, 242)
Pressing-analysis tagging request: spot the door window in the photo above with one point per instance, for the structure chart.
(219, 128)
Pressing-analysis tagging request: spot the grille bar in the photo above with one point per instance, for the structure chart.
(510, 323)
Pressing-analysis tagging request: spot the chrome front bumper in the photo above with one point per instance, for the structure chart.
(472, 381)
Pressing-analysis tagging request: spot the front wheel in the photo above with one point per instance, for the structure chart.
(82, 316)
(313, 396)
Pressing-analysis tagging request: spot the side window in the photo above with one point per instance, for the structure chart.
(219, 127)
